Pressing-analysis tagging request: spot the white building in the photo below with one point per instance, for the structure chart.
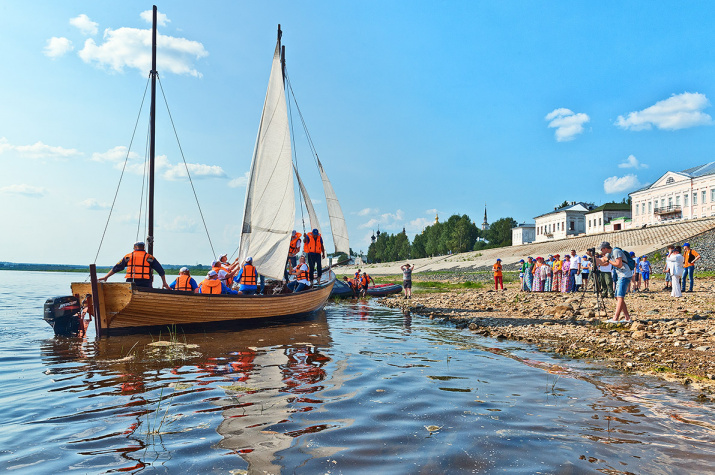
(598, 220)
(562, 222)
(689, 194)
(523, 234)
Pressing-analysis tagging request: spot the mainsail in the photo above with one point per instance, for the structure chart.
(314, 223)
(337, 220)
(269, 215)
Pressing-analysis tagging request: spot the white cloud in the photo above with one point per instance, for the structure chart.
(115, 155)
(56, 47)
(93, 203)
(23, 189)
(240, 181)
(387, 220)
(197, 170)
(84, 24)
(679, 111)
(38, 150)
(567, 123)
(367, 211)
(632, 162)
(419, 224)
(180, 224)
(615, 184)
(131, 47)
(148, 16)
(431, 211)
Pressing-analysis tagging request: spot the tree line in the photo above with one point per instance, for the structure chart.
(457, 234)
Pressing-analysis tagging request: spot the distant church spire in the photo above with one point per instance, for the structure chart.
(485, 224)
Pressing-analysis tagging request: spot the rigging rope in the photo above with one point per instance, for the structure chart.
(145, 178)
(187, 167)
(305, 126)
(126, 159)
(295, 155)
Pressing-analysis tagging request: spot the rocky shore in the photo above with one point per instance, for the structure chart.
(671, 338)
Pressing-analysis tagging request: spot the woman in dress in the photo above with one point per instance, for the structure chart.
(674, 264)
(538, 285)
(556, 285)
(565, 269)
(529, 273)
(549, 274)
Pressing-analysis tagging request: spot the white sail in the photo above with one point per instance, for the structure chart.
(314, 223)
(337, 220)
(269, 215)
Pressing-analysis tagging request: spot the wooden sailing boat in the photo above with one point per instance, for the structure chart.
(268, 220)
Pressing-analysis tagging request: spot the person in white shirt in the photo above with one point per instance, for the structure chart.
(606, 280)
(674, 264)
(617, 257)
(574, 270)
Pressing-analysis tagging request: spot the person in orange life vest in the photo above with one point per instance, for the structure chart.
(313, 246)
(212, 285)
(184, 282)
(364, 282)
(247, 278)
(301, 281)
(139, 265)
(293, 251)
(351, 283)
(690, 257)
(498, 275)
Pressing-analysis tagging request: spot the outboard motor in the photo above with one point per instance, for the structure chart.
(63, 314)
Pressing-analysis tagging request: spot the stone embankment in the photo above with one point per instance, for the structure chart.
(671, 338)
(651, 240)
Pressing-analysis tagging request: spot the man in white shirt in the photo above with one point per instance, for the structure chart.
(617, 257)
(606, 280)
(575, 269)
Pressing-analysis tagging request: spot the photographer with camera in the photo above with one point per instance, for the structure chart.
(618, 259)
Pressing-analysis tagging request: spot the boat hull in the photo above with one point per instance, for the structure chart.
(124, 306)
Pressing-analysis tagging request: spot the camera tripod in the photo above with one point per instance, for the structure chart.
(594, 276)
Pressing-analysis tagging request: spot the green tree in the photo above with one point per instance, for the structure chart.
(562, 205)
(499, 233)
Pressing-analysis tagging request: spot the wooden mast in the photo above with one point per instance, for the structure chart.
(152, 133)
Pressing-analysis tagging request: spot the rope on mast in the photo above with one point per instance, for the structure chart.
(295, 155)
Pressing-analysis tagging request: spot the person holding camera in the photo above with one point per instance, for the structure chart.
(618, 259)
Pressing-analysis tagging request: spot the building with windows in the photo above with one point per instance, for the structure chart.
(567, 221)
(523, 234)
(688, 194)
(605, 218)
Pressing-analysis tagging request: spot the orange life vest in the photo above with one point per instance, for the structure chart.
(497, 270)
(301, 274)
(294, 245)
(365, 279)
(183, 282)
(314, 244)
(138, 266)
(209, 286)
(248, 277)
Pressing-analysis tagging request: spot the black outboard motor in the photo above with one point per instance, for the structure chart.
(63, 314)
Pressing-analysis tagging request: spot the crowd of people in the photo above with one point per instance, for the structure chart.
(359, 283)
(237, 277)
(619, 272)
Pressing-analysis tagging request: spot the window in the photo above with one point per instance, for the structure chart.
(589, 223)
(703, 197)
(685, 199)
(670, 202)
(637, 209)
(670, 180)
(643, 208)
(650, 207)
(662, 202)
(572, 226)
(712, 194)
(695, 199)
(599, 221)
(677, 200)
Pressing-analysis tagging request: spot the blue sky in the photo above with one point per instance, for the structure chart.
(414, 107)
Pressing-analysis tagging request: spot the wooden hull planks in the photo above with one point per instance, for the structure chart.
(122, 306)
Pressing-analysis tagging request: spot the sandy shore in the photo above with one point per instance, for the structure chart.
(671, 338)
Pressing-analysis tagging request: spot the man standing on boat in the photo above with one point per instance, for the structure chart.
(247, 278)
(313, 246)
(293, 252)
(139, 265)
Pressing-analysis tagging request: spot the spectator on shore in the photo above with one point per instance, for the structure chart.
(636, 280)
(539, 275)
(407, 279)
(585, 270)
(668, 277)
(617, 257)
(566, 281)
(644, 267)
(575, 269)
(605, 279)
(522, 263)
(549, 273)
(675, 265)
(557, 274)
(528, 273)
(690, 257)
(498, 280)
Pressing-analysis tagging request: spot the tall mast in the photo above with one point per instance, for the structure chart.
(283, 54)
(152, 127)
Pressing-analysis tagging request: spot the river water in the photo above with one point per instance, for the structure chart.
(356, 388)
